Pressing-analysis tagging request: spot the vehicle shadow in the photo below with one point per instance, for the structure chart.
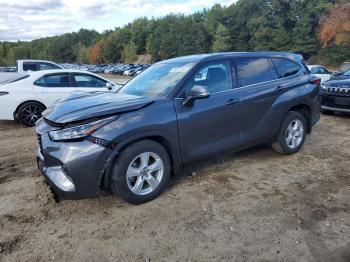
(263, 150)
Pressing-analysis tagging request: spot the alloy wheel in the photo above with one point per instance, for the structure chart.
(294, 133)
(30, 114)
(145, 173)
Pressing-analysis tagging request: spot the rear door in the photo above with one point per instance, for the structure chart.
(52, 87)
(260, 86)
(213, 124)
(90, 83)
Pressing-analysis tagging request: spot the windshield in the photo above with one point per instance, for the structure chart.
(344, 67)
(158, 80)
(347, 73)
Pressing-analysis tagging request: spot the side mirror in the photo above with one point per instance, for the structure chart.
(109, 86)
(196, 92)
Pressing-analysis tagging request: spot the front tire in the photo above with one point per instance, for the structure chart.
(141, 172)
(292, 134)
(29, 113)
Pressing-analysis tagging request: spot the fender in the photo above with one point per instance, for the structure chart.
(172, 148)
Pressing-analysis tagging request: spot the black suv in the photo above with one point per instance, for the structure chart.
(177, 111)
(335, 96)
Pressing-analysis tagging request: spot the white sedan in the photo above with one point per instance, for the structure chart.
(321, 72)
(26, 96)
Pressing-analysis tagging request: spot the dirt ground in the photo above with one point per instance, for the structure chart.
(254, 205)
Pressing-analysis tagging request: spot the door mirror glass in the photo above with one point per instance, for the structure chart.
(196, 92)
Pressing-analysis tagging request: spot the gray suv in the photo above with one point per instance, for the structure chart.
(174, 113)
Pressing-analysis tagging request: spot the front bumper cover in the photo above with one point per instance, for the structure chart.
(72, 169)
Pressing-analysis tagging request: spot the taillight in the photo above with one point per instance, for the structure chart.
(315, 80)
(3, 93)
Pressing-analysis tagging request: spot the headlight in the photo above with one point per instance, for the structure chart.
(78, 132)
(323, 88)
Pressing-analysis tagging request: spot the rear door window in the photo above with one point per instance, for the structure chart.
(57, 81)
(255, 70)
(285, 67)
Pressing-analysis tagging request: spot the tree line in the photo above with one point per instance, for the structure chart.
(317, 29)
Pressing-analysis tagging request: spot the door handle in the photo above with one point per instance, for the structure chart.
(231, 102)
(280, 88)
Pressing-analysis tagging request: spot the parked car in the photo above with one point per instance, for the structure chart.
(320, 71)
(336, 96)
(26, 96)
(8, 69)
(166, 118)
(28, 65)
(340, 76)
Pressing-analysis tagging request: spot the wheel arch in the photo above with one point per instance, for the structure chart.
(305, 110)
(175, 159)
(15, 116)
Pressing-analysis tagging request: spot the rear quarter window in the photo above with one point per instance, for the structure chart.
(285, 67)
(40, 82)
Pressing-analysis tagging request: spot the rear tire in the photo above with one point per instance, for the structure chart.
(29, 113)
(141, 172)
(292, 134)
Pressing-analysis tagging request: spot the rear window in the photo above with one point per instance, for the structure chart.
(285, 67)
(14, 79)
(255, 70)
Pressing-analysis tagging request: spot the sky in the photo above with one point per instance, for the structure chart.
(27, 20)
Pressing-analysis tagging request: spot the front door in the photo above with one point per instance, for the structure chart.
(213, 124)
(91, 83)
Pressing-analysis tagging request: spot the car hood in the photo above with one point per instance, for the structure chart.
(339, 77)
(83, 106)
(338, 83)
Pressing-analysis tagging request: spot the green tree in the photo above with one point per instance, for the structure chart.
(2, 56)
(80, 52)
(129, 54)
(17, 53)
(221, 39)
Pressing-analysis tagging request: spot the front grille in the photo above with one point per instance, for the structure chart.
(40, 143)
(338, 91)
